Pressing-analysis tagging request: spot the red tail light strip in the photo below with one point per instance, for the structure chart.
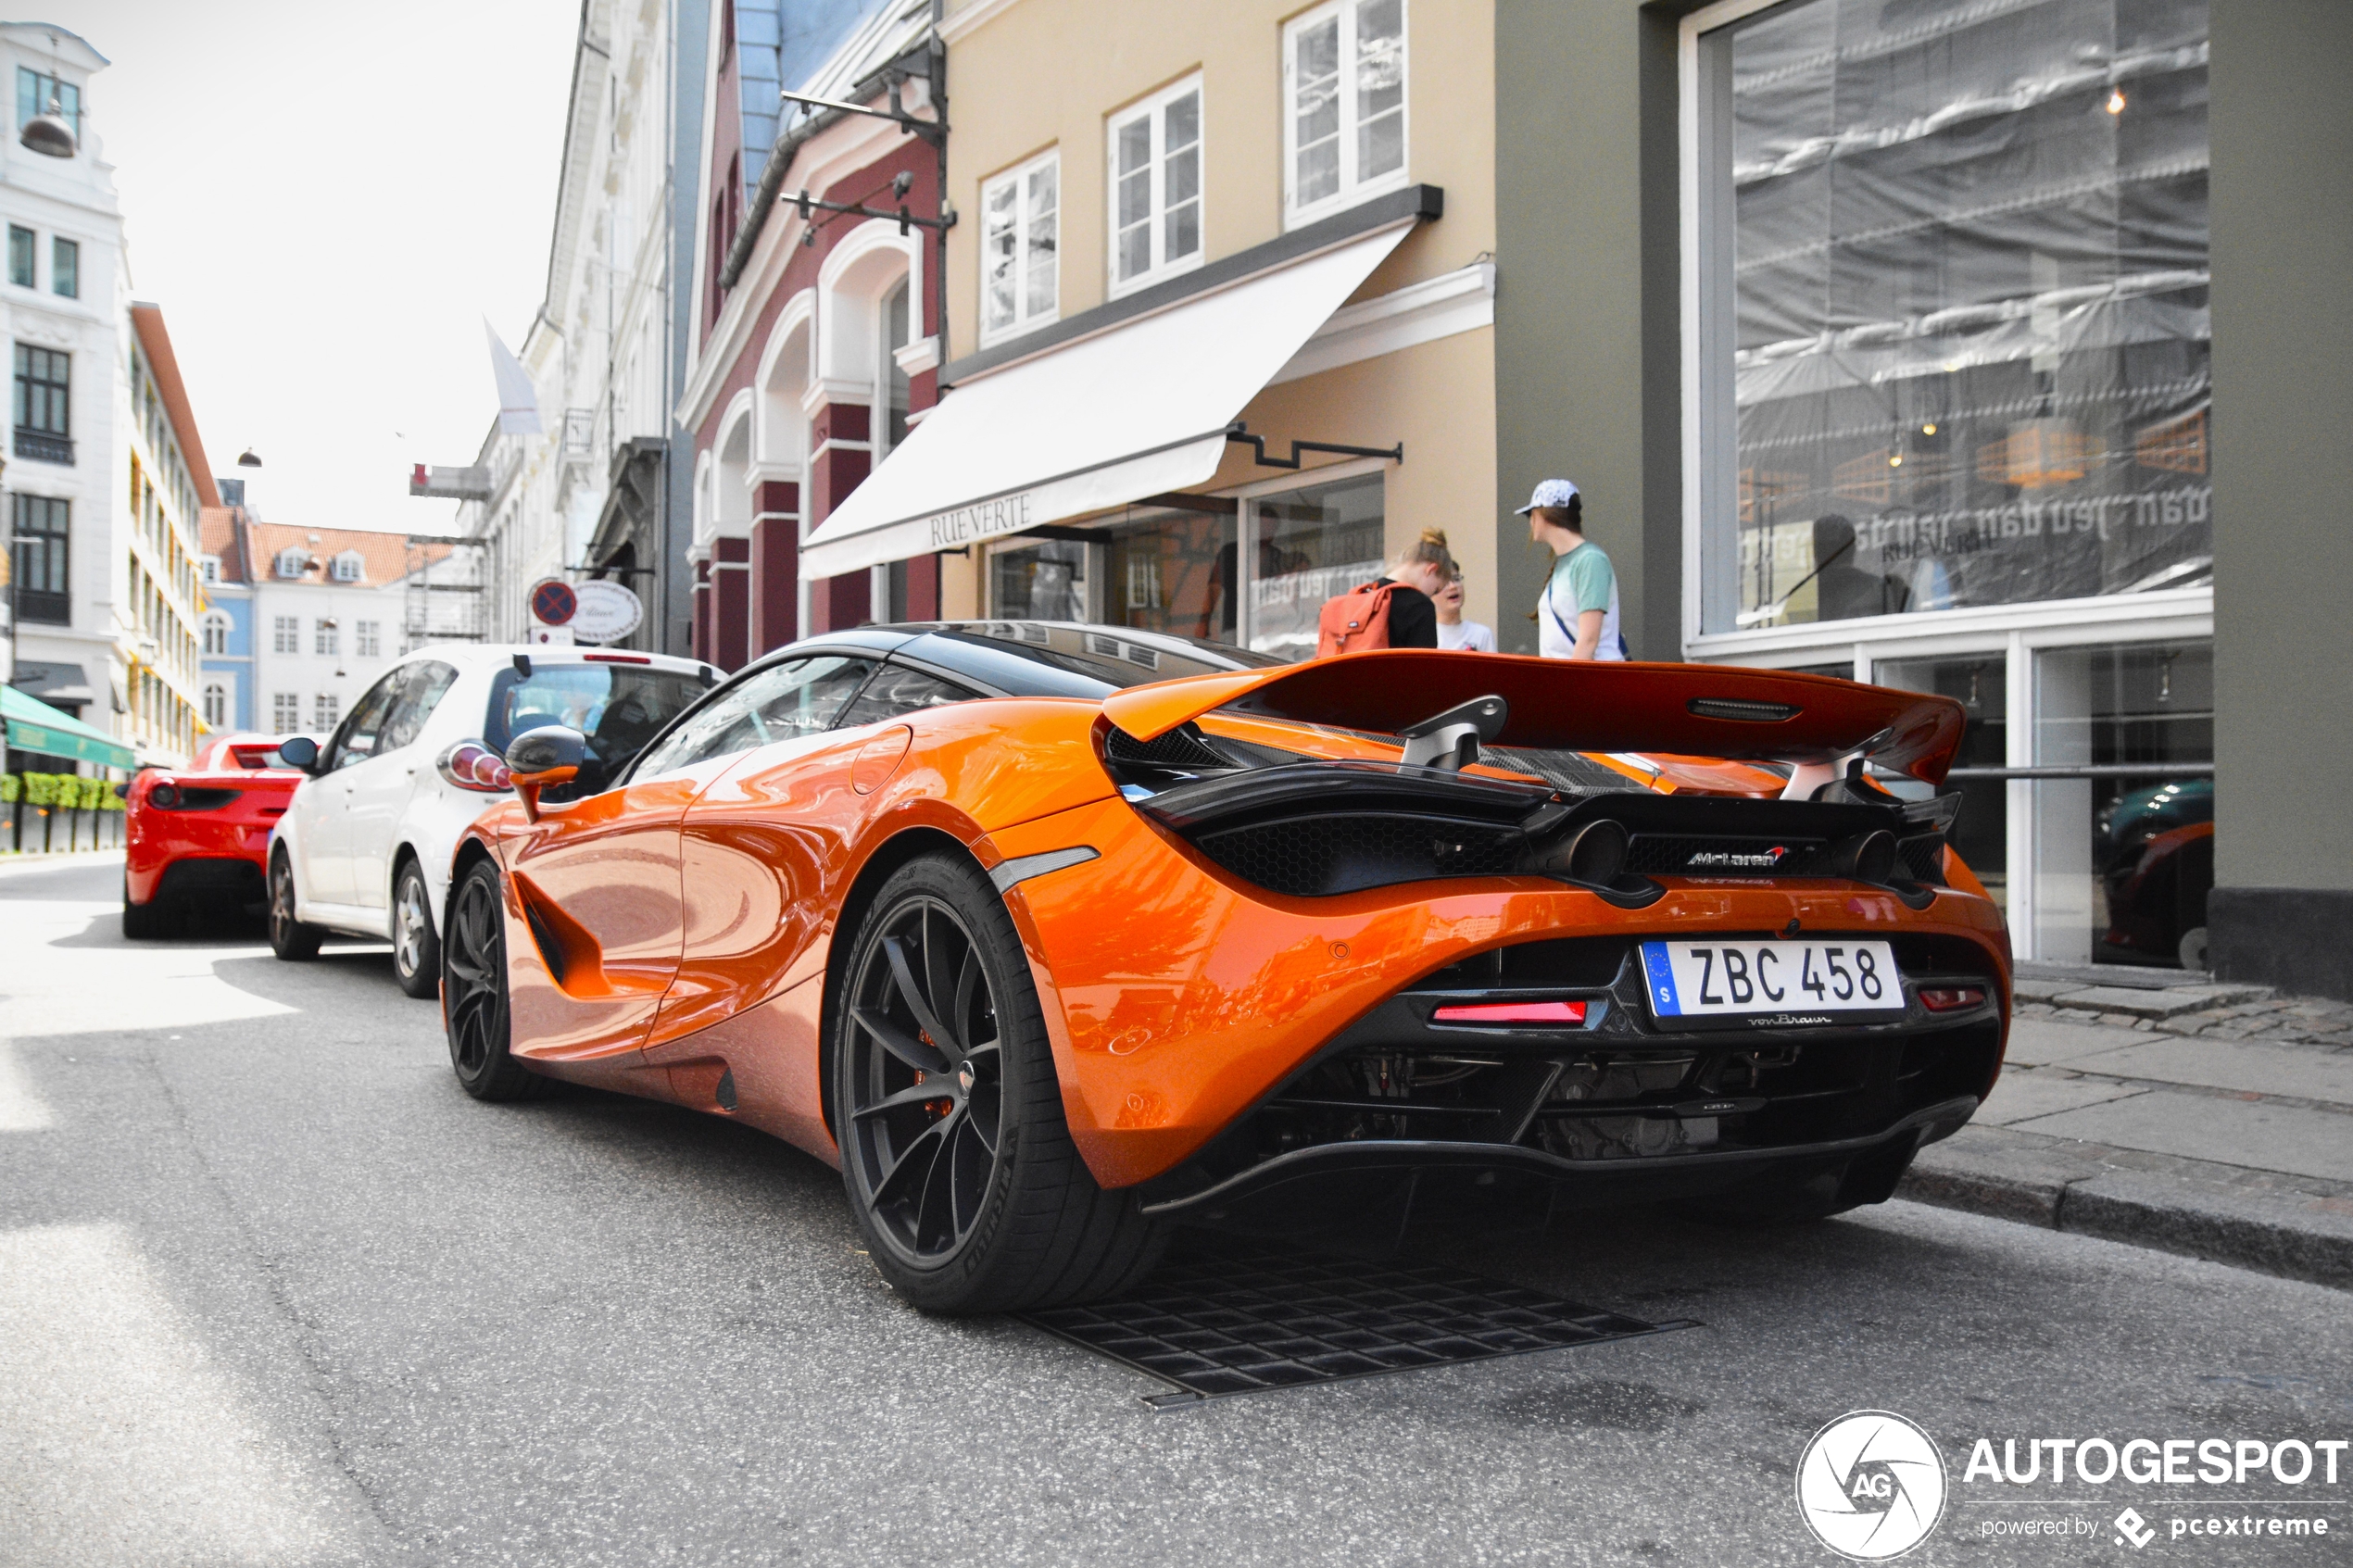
(1951, 998)
(1538, 1013)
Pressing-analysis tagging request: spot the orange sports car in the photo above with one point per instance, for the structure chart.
(1050, 934)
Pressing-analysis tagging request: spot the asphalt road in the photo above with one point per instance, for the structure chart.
(273, 1290)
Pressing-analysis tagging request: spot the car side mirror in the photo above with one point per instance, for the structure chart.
(299, 751)
(538, 759)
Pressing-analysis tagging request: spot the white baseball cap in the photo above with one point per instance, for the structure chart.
(1550, 493)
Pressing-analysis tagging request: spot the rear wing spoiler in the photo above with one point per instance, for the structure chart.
(1681, 709)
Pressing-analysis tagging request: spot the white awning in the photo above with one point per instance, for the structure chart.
(1134, 411)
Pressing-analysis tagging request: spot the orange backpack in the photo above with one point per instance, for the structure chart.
(1354, 621)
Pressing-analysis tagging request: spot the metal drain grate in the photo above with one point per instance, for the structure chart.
(1241, 1317)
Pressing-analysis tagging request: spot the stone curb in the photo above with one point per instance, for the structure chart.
(2296, 1236)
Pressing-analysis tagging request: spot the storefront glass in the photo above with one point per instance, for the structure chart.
(1173, 573)
(1046, 581)
(1978, 683)
(2124, 863)
(1311, 545)
(1953, 306)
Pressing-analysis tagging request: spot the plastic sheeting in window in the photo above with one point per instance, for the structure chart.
(1970, 280)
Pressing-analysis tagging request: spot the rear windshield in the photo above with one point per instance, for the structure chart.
(618, 706)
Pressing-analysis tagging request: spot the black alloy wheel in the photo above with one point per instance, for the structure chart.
(289, 938)
(956, 1157)
(416, 951)
(474, 992)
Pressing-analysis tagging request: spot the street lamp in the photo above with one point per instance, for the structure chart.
(248, 459)
(48, 134)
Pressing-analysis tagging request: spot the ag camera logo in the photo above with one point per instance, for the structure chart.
(1870, 1485)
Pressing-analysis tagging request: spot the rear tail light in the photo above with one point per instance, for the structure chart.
(165, 796)
(1526, 1014)
(470, 765)
(616, 659)
(1951, 998)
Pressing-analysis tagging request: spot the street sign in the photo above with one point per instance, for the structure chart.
(606, 613)
(550, 636)
(553, 603)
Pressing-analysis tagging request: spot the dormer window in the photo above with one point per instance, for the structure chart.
(208, 568)
(348, 567)
(292, 562)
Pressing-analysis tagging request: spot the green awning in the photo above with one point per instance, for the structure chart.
(33, 725)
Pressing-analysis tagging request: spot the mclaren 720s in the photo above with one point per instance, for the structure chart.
(1052, 935)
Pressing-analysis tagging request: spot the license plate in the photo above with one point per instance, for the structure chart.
(1773, 983)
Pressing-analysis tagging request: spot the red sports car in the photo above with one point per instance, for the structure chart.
(198, 837)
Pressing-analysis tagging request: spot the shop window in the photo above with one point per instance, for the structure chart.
(43, 557)
(1020, 276)
(2124, 855)
(1952, 322)
(1344, 110)
(1172, 572)
(1308, 546)
(1980, 683)
(1156, 187)
(21, 242)
(1046, 581)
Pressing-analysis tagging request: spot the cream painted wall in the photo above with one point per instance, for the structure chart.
(1043, 73)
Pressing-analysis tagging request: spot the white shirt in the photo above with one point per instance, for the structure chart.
(1468, 636)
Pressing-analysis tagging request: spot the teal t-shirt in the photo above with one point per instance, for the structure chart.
(1581, 580)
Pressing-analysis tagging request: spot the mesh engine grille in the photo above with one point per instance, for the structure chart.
(1313, 856)
(1180, 747)
(1923, 859)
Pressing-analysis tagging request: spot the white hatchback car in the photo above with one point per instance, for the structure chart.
(364, 847)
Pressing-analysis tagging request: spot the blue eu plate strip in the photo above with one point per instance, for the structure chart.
(1662, 979)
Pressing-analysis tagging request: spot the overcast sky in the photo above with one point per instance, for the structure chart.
(326, 197)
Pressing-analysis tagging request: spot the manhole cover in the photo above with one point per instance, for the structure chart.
(1228, 1317)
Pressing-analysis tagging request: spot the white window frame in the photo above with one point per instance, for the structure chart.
(368, 639)
(1023, 320)
(1152, 113)
(216, 621)
(295, 557)
(326, 638)
(285, 712)
(285, 633)
(209, 568)
(348, 567)
(216, 704)
(1353, 188)
(326, 710)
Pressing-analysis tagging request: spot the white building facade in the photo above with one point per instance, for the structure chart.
(592, 491)
(105, 472)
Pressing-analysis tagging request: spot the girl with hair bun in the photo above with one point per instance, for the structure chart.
(1454, 631)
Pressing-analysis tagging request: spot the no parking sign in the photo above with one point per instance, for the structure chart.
(552, 602)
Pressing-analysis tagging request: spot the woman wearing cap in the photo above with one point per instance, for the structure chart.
(1576, 613)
